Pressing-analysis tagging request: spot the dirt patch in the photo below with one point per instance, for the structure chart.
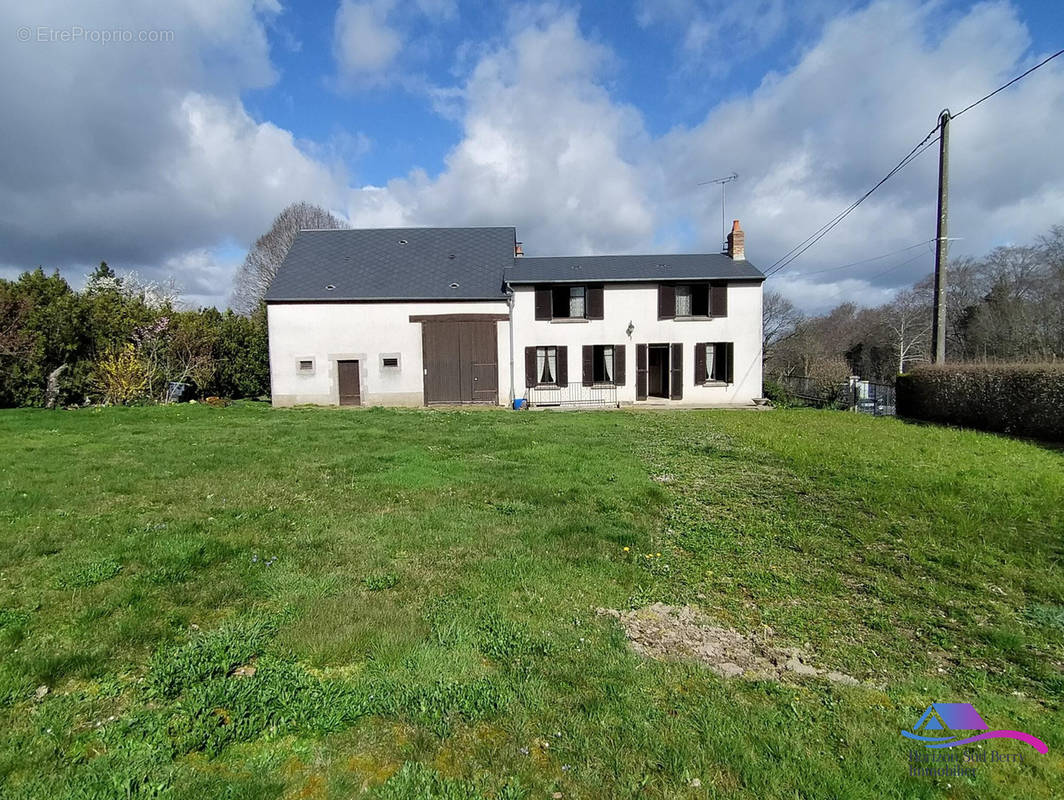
(673, 633)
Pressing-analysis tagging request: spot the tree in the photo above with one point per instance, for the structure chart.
(262, 261)
(780, 321)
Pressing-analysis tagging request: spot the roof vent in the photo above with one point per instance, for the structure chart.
(329, 287)
(402, 241)
(451, 256)
(454, 285)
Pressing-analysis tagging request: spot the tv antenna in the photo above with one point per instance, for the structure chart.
(723, 212)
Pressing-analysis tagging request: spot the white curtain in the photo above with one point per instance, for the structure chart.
(683, 301)
(711, 362)
(546, 364)
(607, 363)
(576, 301)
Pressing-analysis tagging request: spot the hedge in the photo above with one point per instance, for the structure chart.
(1017, 399)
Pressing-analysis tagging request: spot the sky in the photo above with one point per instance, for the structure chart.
(164, 138)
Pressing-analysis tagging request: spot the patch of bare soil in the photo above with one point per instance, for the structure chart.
(673, 633)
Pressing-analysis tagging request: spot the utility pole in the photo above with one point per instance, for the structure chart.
(938, 324)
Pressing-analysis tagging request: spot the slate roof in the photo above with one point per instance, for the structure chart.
(395, 264)
(579, 269)
(427, 263)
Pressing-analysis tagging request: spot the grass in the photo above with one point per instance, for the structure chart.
(247, 603)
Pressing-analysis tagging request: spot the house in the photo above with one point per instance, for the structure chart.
(421, 316)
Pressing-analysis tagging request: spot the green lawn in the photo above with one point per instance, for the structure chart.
(248, 602)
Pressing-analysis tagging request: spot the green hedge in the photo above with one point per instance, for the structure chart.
(1018, 399)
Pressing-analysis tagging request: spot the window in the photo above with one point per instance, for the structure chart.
(546, 364)
(389, 361)
(713, 362)
(693, 300)
(602, 363)
(305, 366)
(568, 302)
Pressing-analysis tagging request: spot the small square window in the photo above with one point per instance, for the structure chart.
(306, 366)
(391, 362)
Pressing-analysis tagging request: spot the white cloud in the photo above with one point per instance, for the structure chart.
(138, 153)
(544, 147)
(364, 42)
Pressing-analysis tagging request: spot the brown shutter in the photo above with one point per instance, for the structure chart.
(676, 372)
(666, 301)
(543, 302)
(588, 375)
(531, 378)
(700, 364)
(563, 366)
(594, 302)
(618, 364)
(640, 372)
(729, 348)
(718, 299)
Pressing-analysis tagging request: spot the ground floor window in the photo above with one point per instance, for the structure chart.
(546, 364)
(602, 370)
(713, 362)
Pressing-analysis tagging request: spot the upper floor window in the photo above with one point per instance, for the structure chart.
(569, 302)
(693, 300)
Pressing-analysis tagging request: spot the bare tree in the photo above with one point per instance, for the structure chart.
(260, 266)
(780, 321)
(908, 319)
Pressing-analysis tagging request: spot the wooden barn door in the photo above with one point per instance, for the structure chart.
(461, 361)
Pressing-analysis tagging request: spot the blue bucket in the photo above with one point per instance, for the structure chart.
(519, 403)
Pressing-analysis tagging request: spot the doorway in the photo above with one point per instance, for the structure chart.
(658, 370)
(350, 384)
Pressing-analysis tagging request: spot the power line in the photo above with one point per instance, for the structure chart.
(863, 260)
(824, 230)
(1007, 85)
(788, 257)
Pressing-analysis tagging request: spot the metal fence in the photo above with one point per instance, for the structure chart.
(877, 399)
(572, 395)
(865, 397)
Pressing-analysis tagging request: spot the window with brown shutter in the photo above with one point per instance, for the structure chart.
(563, 366)
(714, 362)
(700, 363)
(594, 302)
(531, 378)
(718, 299)
(543, 302)
(676, 372)
(666, 301)
(618, 364)
(640, 372)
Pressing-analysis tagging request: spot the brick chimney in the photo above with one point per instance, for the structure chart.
(737, 242)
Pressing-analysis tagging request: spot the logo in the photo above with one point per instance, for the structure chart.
(951, 717)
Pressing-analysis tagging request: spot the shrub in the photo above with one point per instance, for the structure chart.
(1018, 399)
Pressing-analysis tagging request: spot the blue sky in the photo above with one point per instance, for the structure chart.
(588, 126)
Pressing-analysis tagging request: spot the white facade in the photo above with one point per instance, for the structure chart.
(370, 332)
(637, 304)
(367, 332)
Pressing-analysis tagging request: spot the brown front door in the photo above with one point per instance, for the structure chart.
(350, 388)
(461, 361)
